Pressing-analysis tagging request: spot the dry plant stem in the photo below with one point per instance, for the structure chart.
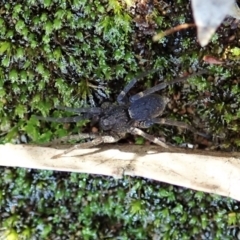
(213, 172)
(173, 30)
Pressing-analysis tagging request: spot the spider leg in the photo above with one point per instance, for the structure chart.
(61, 120)
(98, 139)
(137, 131)
(122, 95)
(162, 86)
(75, 137)
(93, 110)
(170, 122)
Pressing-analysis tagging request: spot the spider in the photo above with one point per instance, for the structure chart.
(129, 115)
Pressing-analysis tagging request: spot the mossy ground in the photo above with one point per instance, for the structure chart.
(54, 53)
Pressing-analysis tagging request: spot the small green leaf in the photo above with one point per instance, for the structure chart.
(178, 209)
(2, 23)
(10, 234)
(25, 32)
(194, 220)
(57, 53)
(13, 75)
(17, 8)
(199, 195)
(5, 46)
(232, 218)
(45, 137)
(33, 44)
(36, 20)
(10, 34)
(20, 110)
(46, 39)
(57, 23)
(23, 76)
(204, 221)
(235, 51)
(47, 3)
(59, 14)
(5, 124)
(48, 27)
(115, 6)
(27, 64)
(178, 139)
(41, 85)
(5, 61)
(79, 36)
(139, 140)
(136, 207)
(32, 131)
(46, 75)
(2, 94)
(100, 9)
(61, 132)
(40, 68)
(44, 17)
(120, 70)
(20, 25)
(19, 53)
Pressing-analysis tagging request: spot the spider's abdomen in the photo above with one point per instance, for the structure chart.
(147, 107)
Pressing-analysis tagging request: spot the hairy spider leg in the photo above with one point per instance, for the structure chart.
(121, 99)
(75, 137)
(162, 86)
(98, 139)
(62, 120)
(87, 113)
(93, 110)
(137, 131)
(170, 122)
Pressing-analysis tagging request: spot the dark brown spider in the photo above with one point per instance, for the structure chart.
(141, 110)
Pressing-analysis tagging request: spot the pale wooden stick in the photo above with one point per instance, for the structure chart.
(214, 172)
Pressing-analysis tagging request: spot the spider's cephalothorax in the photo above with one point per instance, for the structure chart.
(115, 118)
(127, 116)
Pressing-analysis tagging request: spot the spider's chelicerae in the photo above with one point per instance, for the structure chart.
(129, 115)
